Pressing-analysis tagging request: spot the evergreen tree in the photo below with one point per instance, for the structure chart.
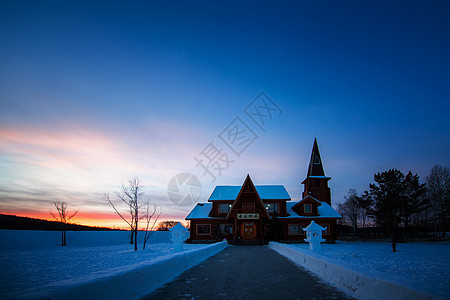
(388, 195)
(413, 200)
(275, 229)
(395, 198)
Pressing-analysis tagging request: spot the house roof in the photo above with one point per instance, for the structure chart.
(324, 211)
(249, 187)
(202, 210)
(265, 192)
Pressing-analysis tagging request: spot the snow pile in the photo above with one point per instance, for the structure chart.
(108, 272)
(373, 271)
(36, 239)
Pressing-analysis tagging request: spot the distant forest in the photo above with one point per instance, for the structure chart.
(24, 223)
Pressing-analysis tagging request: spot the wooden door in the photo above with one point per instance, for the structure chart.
(249, 232)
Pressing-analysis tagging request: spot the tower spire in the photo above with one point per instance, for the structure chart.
(316, 183)
(315, 163)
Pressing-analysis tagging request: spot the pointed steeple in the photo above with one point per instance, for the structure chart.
(315, 164)
(316, 183)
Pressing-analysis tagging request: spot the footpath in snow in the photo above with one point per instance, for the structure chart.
(102, 272)
(373, 271)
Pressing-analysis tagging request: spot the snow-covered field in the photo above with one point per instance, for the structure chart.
(37, 239)
(423, 267)
(32, 264)
(35, 272)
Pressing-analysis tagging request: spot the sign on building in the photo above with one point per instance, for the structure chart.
(252, 216)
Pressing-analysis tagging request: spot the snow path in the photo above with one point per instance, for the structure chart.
(39, 270)
(247, 272)
(420, 266)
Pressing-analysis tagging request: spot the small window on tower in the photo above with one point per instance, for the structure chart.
(308, 208)
(316, 160)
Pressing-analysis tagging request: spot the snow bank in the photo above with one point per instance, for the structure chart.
(113, 272)
(36, 239)
(139, 281)
(354, 283)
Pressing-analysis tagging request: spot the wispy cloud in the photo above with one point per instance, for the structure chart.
(78, 164)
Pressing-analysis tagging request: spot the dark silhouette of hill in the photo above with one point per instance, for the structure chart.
(25, 223)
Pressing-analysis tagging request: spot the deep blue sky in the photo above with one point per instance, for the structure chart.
(92, 93)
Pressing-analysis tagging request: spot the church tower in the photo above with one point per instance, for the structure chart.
(316, 183)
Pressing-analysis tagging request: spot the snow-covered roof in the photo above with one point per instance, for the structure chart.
(200, 211)
(178, 227)
(314, 227)
(265, 192)
(324, 210)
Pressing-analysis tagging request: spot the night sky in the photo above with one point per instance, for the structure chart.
(93, 93)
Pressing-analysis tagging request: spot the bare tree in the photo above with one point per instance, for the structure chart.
(438, 185)
(130, 195)
(350, 209)
(365, 202)
(63, 216)
(151, 216)
(166, 225)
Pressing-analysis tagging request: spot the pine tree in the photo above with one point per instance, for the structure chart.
(388, 195)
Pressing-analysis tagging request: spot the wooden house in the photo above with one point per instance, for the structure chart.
(257, 214)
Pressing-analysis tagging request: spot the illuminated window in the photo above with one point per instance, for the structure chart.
(296, 229)
(204, 229)
(271, 207)
(224, 208)
(308, 208)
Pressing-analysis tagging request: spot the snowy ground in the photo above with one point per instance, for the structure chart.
(34, 271)
(420, 266)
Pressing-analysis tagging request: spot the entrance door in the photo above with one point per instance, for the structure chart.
(249, 231)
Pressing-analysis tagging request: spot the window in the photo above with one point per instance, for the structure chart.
(226, 229)
(316, 160)
(271, 207)
(204, 229)
(296, 229)
(224, 208)
(308, 208)
(248, 207)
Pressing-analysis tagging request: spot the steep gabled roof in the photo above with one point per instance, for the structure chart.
(265, 192)
(315, 163)
(303, 200)
(248, 187)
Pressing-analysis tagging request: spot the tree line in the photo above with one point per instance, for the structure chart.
(396, 201)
